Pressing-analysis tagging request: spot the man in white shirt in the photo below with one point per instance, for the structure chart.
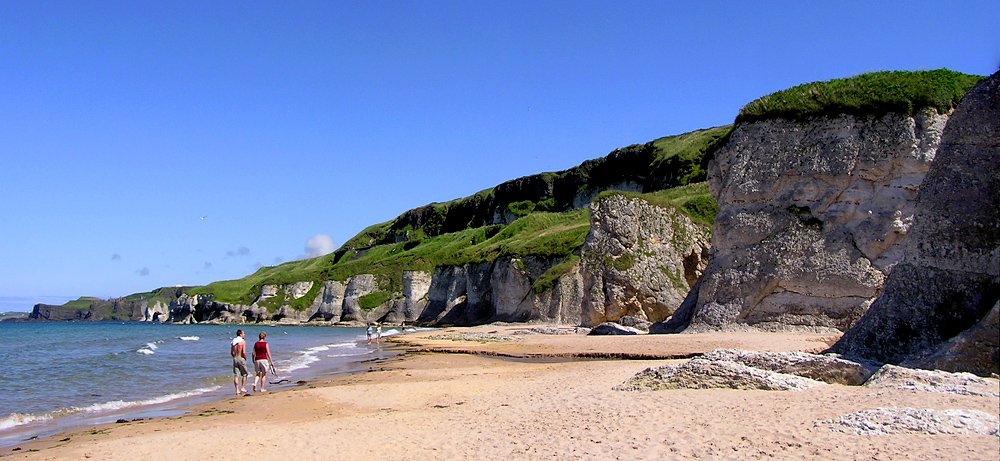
(238, 349)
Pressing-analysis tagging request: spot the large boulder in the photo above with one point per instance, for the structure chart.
(950, 278)
(639, 260)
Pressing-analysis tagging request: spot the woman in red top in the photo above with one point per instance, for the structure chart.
(261, 362)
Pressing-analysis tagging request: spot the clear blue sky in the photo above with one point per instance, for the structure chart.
(123, 124)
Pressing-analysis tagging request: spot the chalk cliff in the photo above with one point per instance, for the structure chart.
(948, 285)
(813, 215)
(639, 259)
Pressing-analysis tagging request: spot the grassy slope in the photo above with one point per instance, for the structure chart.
(660, 164)
(874, 93)
(555, 235)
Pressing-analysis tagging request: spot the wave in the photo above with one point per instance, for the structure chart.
(17, 419)
(121, 404)
(145, 351)
(188, 338)
(309, 356)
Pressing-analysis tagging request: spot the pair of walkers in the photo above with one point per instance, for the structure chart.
(374, 332)
(262, 362)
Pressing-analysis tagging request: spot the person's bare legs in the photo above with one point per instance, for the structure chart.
(263, 379)
(256, 377)
(236, 384)
(243, 387)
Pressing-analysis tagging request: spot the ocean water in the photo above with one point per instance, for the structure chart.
(57, 376)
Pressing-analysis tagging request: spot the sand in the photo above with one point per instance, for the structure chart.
(491, 403)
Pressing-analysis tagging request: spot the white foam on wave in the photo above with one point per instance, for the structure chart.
(188, 338)
(309, 356)
(151, 346)
(121, 404)
(17, 419)
(145, 351)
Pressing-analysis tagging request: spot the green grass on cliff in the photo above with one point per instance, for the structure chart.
(873, 93)
(659, 164)
(540, 233)
(84, 302)
(693, 201)
(683, 159)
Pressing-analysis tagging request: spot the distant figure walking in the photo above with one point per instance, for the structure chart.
(371, 332)
(402, 327)
(261, 362)
(378, 333)
(238, 349)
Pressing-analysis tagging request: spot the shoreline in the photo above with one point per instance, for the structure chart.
(501, 399)
(40, 426)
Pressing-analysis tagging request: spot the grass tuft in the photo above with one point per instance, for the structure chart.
(876, 93)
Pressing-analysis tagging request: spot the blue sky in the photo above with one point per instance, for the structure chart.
(148, 144)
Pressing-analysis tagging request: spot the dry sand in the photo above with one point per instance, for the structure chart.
(435, 405)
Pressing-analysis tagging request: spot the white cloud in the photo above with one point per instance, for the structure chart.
(319, 245)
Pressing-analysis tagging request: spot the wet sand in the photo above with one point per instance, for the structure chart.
(530, 396)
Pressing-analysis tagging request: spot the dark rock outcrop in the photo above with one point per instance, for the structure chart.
(976, 350)
(950, 278)
(611, 328)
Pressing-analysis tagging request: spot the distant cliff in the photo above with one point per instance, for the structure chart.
(639, 258)
(151, 307)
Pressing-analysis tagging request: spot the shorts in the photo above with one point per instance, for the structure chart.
(261, 366)
(239, 366)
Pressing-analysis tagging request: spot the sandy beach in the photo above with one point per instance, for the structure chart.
(494, 392)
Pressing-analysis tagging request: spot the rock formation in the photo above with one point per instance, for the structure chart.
(812, 217)
(950, 278)
(639, 260)
(700, 373)
(825, 368)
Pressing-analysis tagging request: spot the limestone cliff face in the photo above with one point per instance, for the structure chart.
(639, 260)
(469, 294)
(949, 281)
(812, 217)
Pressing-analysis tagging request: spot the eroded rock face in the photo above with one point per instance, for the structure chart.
(639, 260)
(950, 278)
(812, 216)
(155, 312)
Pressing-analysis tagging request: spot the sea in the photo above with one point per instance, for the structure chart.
(57, 376)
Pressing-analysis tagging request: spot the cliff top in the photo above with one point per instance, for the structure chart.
(660, 164)
(873, 93)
